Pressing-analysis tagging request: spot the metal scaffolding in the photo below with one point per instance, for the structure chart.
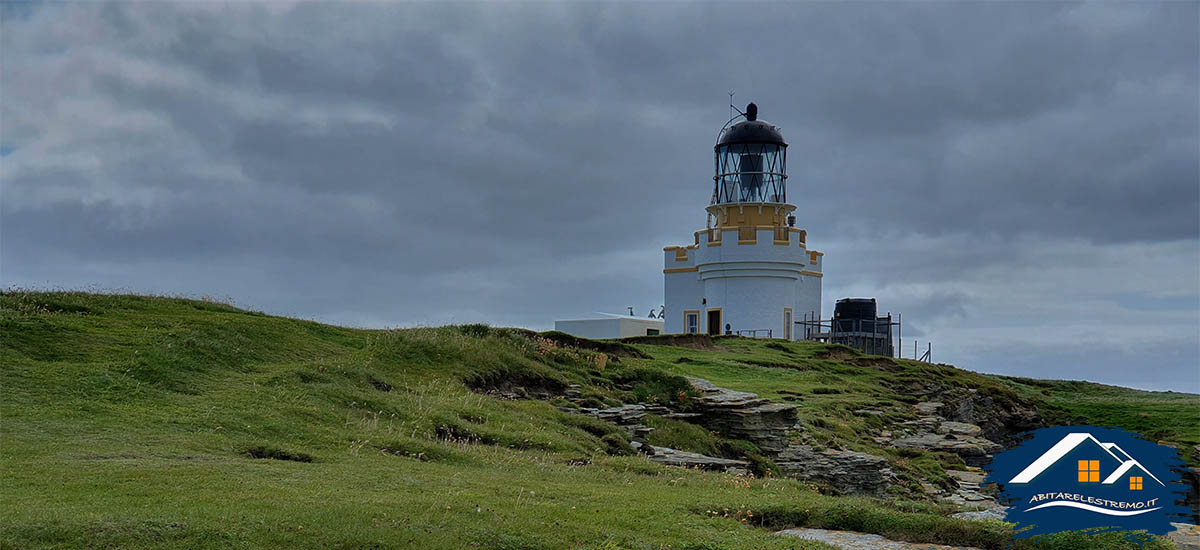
(874, 337)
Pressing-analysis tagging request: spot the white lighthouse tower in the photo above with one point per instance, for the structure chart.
(749, 271)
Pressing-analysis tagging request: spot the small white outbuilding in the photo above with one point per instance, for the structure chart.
(610, 326)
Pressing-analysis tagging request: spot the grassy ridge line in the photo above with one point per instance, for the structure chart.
(1168, 416)
(127, 421)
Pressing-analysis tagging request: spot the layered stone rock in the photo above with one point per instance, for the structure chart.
(973, 450)
(970, 490)
(934, 433)
(848, 472)
(743, 415)
(685, 459)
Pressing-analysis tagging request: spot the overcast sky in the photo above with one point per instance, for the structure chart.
(1021, 180)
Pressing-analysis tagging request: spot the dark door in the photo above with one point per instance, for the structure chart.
(714, 322)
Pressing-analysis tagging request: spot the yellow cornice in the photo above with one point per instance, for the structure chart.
(680, 269)
(732, 227)
(812, 274)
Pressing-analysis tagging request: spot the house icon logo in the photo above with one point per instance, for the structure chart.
(1069, 478)
(1112, 458)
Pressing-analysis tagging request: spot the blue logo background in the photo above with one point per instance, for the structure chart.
(1070, 500)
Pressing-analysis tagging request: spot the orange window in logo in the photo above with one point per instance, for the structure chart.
(1089, 471)
(1135, 483)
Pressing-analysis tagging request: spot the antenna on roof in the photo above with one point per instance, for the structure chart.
(732, 116)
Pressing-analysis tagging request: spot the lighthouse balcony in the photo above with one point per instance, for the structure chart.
(737, 245)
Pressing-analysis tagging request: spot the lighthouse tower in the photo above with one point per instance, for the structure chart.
(749, 271)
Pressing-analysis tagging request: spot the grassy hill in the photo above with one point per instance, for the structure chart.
(147, 422)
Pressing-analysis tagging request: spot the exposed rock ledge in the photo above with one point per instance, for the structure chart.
(675, 457)
(743, 415)
(849, 472)
(934, 433)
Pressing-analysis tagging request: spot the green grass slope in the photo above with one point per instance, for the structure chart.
(146, 422)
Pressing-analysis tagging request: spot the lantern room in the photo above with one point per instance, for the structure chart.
(751, 163)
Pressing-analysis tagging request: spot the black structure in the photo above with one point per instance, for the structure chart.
(751, 162)
(856, 324)
(854, 308)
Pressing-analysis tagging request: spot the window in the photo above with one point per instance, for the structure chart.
(787, 323)
(651, 332)
(691, 323)
(1135, 483)
(1089, 471)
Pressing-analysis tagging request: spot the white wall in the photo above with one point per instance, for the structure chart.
(750, 283)
(608, 327)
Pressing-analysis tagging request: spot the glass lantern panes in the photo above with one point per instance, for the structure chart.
(750, 172)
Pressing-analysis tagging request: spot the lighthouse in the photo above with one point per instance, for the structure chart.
(749, 271)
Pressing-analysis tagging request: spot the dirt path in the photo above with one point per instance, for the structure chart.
(849, 540)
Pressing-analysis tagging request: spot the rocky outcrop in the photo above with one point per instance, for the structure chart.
(1000, 420)
(973, 450)
(970, 490)
(936, 433)
(626, 416)
(743, 415)
(675, 457)
(848, 472)
(932, 433)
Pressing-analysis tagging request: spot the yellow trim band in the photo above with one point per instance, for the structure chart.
(680, 269)
(812, 274)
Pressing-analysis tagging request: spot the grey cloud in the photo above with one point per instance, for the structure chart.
(972, 165)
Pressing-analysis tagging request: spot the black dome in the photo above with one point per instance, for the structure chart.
(752, 131)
